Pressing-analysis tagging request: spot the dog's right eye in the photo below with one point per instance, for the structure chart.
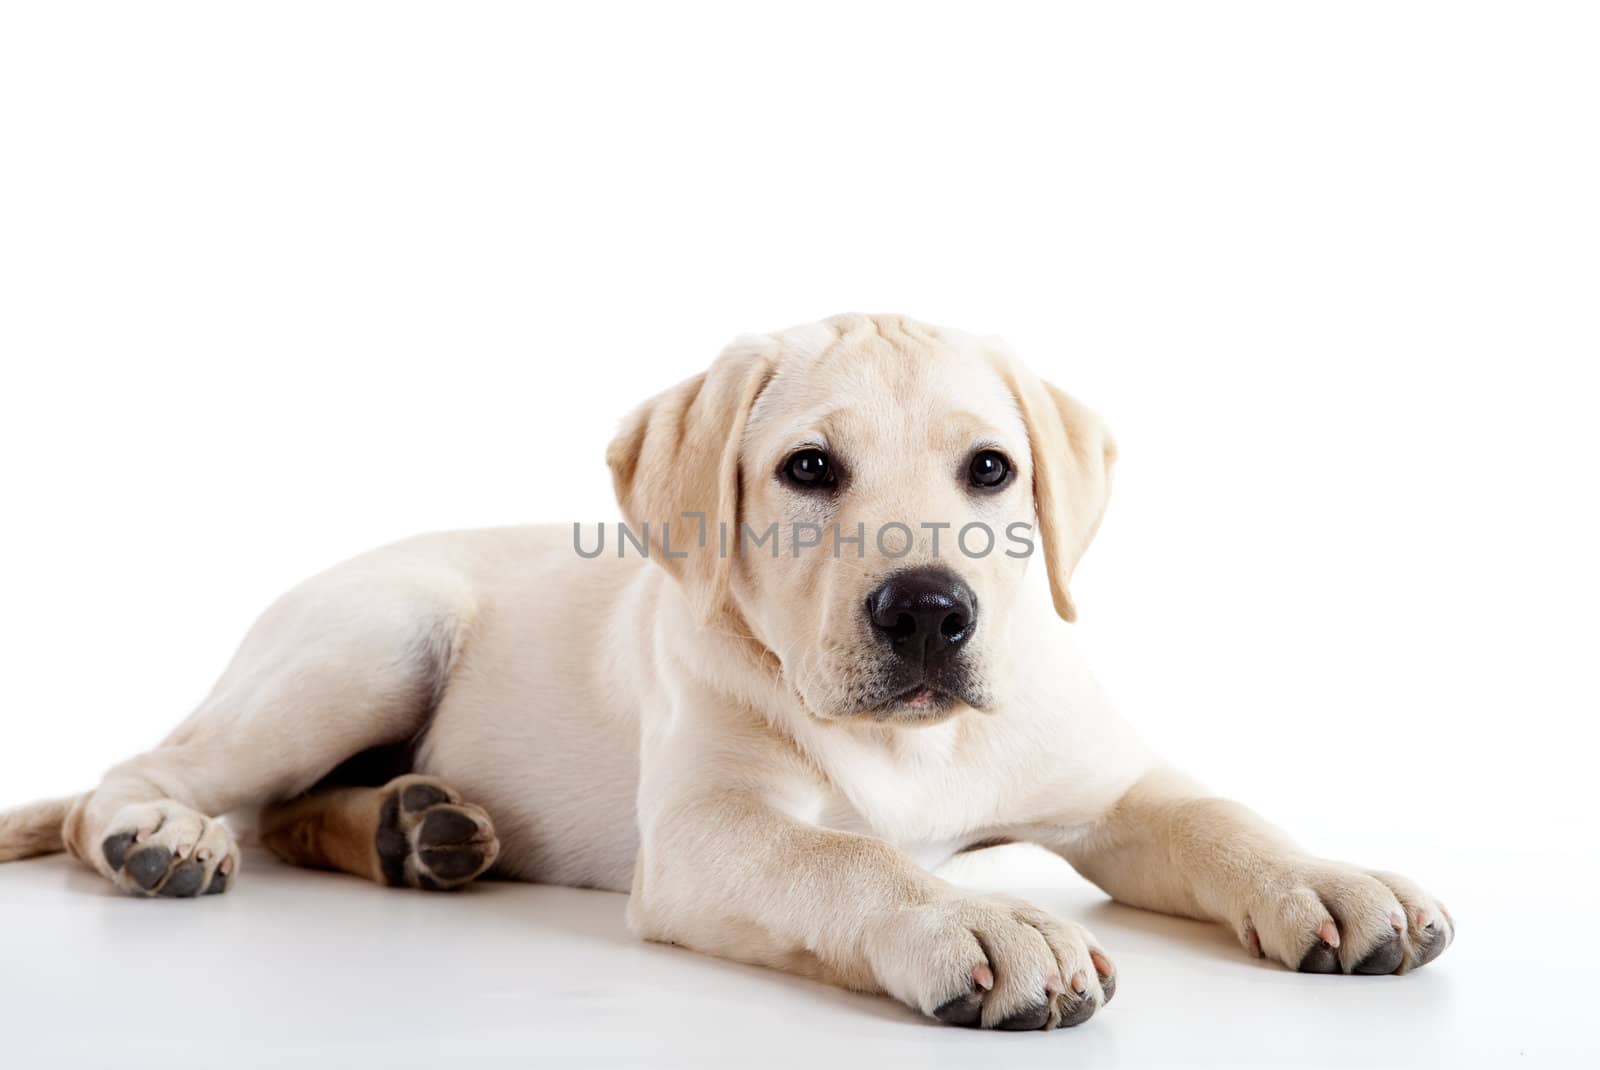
(810, 469)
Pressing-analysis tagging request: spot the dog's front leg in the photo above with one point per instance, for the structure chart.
(732, 873)
(1167, 845)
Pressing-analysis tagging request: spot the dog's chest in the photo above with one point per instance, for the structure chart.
(918, 791)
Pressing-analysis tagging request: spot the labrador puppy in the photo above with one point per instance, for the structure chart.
(809, 665)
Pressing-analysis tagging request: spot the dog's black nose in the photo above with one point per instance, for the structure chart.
(924, 613)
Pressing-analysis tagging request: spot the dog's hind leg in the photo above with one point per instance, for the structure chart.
(414, 832)
(352, 659)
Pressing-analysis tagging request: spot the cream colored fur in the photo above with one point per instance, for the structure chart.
(690, 729)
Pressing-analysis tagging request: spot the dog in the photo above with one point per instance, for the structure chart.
(763, 734)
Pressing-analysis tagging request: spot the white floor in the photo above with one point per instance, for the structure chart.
(291, 968)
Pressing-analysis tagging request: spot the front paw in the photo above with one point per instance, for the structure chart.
(164, 848)
(1327, 917)
(994, 963)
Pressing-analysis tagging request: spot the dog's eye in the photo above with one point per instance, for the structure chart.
(989, 469)
(811, 469)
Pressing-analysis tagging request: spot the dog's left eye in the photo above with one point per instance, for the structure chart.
(989, 469)
(811, 469)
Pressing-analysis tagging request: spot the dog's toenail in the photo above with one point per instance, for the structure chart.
(1329, 934)
(1106, 972)
(1398, 920)
(1052, 986)
(982, 976)
(1080, 982)
(1423, 919)
(226, 867)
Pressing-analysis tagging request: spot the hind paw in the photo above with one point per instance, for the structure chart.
(429, 838)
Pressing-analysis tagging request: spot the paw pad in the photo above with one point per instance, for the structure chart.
(1431, 945)
(428, 838)
(1322, 957)
(1385, 958)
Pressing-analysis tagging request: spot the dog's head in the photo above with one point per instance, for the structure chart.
(861, 497)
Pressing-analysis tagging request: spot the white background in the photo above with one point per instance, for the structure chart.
(279, 284)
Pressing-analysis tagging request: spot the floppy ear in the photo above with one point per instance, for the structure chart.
(1072, 457)
(679, 453)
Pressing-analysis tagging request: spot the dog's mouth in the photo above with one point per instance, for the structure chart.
(928, 700)
(920, 703)
(893, 692)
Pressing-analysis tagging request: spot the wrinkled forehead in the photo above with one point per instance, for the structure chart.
(877, 392)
